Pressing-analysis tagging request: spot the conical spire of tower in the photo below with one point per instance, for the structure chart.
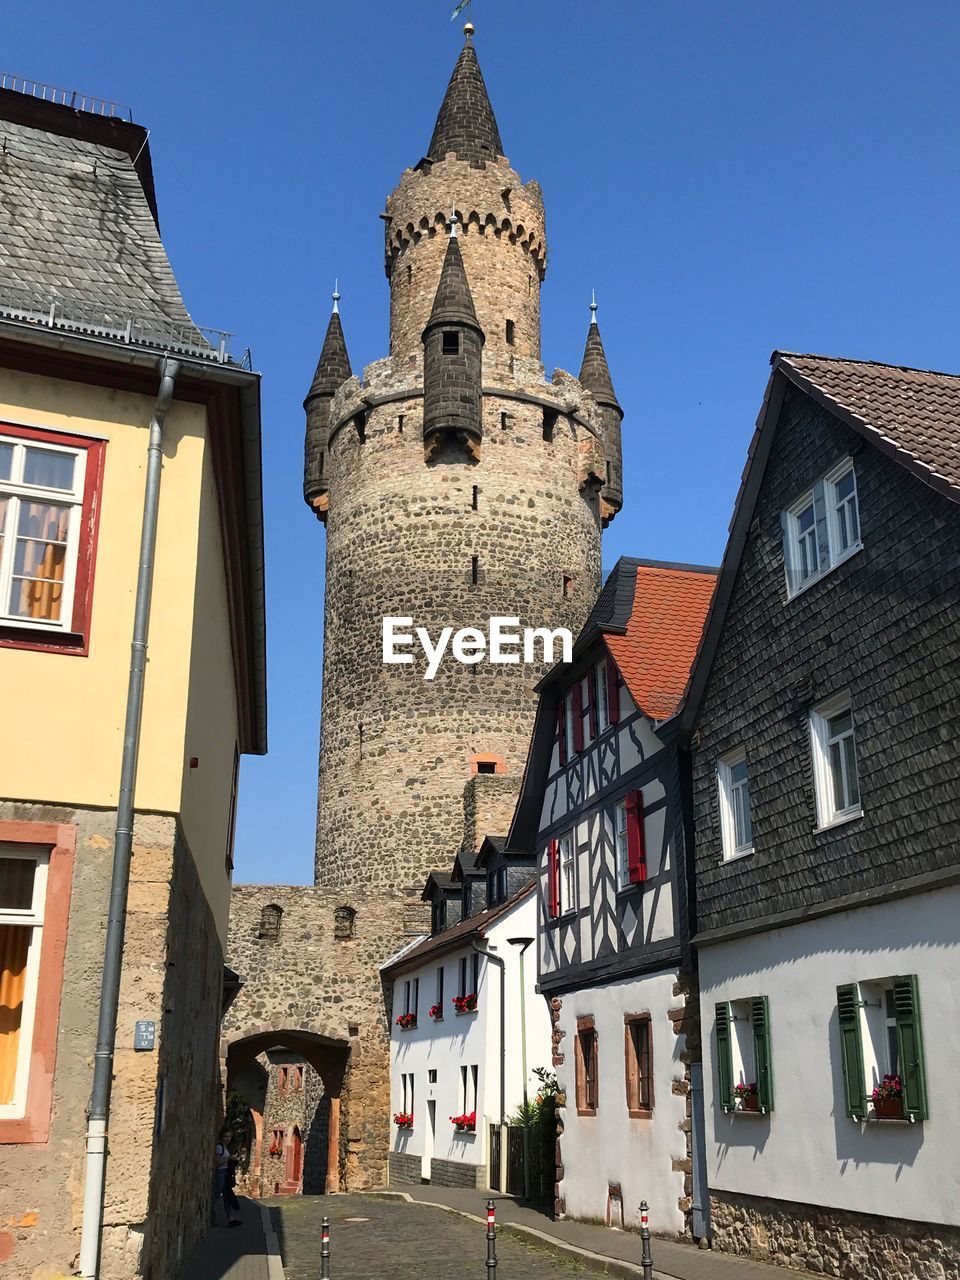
(453, 303)
(466, 124)
(594, 370)
(333, 367)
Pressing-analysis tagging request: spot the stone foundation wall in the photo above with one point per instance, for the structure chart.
(833, 1242)
(404, 1170)
(453, 1173)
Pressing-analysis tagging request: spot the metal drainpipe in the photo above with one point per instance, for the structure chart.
(98, 1114)
(498, 961)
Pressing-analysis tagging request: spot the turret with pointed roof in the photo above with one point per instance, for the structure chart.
(595, 377)
(333, 369)
(452, 354)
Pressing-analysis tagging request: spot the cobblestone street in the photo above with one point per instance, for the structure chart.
(400, 1241)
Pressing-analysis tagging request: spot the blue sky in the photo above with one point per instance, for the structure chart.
(731, 178)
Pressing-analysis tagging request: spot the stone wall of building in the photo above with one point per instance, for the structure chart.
(832, 1242)
(306, 981)
(158, 1172)
(404, 1169)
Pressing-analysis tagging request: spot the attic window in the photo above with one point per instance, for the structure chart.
(511, 333)
(451, 342)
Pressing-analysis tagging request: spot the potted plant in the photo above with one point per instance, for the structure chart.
(406, 1020)
(436, 1012)
(888, 1099)
(746, 1097)
(403, 1119)
(465, 1004)
(466, 1123)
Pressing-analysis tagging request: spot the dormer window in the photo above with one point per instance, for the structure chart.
(438, 915)
(451, 342)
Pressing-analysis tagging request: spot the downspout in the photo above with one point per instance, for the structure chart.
(98, 1114)
(498, 961)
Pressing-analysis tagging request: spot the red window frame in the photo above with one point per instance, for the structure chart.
(636, 843)
(76, 639)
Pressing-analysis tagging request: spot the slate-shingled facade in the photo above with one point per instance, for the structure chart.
(828, 939)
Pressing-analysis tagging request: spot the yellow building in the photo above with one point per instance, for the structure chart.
(94, 341)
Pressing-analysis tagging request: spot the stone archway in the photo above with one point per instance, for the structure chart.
(327, 1054)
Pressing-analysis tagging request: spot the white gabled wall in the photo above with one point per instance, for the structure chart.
(610, 1147)
(809, 1151)
(468, 1040)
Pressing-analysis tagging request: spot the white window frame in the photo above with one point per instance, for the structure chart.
(831, 480)
(603, 709)
(828, 815)
(792, 548)
(567, 872)
(16, 489)
(730, 849)
(30, 917)
(621, 843)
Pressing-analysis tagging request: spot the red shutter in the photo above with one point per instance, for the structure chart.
(562, 730)
(636, 851)
(577, 693)
(613, 693)
(553, 881)
(592, 692)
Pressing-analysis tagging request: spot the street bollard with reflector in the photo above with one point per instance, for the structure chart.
(646, 1257)
(325, 1249)
(491, 1241)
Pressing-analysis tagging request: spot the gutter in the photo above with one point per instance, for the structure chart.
(99, 1110)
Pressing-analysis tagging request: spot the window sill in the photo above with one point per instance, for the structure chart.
(640, 1113)
(45, 639)
(736, 856)
(838, 821)
(824, 573)
(742, 1111)
(586, 1111)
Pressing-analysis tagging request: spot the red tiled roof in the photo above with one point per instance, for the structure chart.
(456, 935)
(912, 413)
(655, 655)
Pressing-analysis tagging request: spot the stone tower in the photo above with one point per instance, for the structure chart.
(456, 484)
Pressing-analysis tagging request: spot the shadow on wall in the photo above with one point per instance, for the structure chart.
(315, 1158)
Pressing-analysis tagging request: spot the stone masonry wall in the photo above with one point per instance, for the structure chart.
(308, 980)
(173, 975)
(402, 538)
(833, 1242)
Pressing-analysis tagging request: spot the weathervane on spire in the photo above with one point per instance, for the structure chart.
(453, 224)
(336, 297)
(593, 306)
(469, 29)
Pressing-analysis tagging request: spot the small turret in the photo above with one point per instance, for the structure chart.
(333, 369)
(595, 376)
(452, 358)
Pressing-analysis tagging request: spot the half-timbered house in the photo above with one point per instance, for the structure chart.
(602, 805)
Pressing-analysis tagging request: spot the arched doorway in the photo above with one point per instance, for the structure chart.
(279, 1154)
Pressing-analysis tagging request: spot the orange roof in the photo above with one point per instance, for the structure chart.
(655, 655)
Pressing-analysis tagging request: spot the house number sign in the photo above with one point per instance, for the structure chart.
(144, 1036)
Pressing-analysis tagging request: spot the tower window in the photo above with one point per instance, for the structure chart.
(409, 273)
(321, 462)
(511, 332)
(451, 342)
(486, 766)
(270, 917)
(400, 424)
(504, 421)
(567, 587)
(475, 570)
(343, 923)
(609, 472)
(476, 496)
(549, 422)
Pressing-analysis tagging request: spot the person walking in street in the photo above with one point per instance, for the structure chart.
(224, 1179)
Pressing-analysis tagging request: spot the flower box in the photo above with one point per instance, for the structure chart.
(746, 1097)
(407, 1021)
(888, 1099)
(465, 1004)
(403, 1120)
(436, 1012)
(466, 1123)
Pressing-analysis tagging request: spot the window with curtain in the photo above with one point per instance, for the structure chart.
(41, 499)
(23, 879)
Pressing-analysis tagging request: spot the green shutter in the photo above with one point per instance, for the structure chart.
(851, 1051)
(906, 1002)
(724, 1057)
(760, 1017)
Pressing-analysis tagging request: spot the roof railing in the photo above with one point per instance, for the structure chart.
(92, 320)
(65, 97)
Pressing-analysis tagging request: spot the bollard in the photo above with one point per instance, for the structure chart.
(646, 1257)
(491, 1241)
(325, 1249)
